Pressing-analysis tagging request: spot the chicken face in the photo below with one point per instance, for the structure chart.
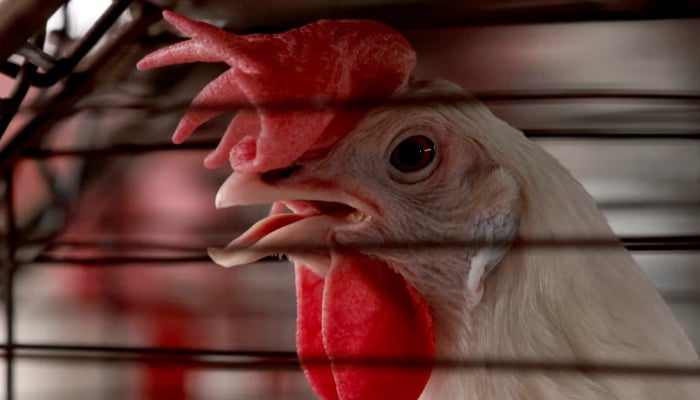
(361, 214)
(401, 177)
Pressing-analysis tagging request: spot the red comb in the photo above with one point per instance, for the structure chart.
(336, 60)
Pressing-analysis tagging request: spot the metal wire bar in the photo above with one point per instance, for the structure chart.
(186, 254)
(281, 360)
(586, 94)
(666, 243)
(155, 245)
(647, 243)
(64, 66)
(607, 134)
(148, 307)
(78, 86)
(422, 14)
(8, 271)
(194, 352)
(119, 149)
(58, 69)
(118, 244)
(116, 260)
(9, 68)
(368, 102)
(36, 55)
(631, 242)
(426, 15)
(10, 106)
(124, 149)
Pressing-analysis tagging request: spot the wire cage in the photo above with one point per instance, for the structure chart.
(107, 289)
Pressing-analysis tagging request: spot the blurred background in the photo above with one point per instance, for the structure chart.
(104, 222)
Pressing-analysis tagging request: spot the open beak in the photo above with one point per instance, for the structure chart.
(304, 236)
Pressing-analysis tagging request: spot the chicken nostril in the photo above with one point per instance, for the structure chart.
(279, 174)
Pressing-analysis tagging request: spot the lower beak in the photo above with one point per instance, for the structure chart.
(303, 238)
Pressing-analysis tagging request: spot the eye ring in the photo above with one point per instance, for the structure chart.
(413, 154)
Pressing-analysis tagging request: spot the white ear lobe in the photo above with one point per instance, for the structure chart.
(495, 204)
(475, 278)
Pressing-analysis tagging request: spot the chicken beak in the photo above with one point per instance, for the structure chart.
(247, 189)
(304, 238)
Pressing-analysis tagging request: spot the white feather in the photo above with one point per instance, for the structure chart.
(562, 304)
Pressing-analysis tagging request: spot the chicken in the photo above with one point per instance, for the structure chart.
(368, 188)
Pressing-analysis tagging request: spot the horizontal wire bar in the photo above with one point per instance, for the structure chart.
(101, 261)
(367, 102)
(663, 243)
(202, 145)
(149, 307)
(276, 360)
(315, 104)
(647, 205)
(121, 245)
(441, 15)
(607, 134)
(149, 350)
(572, 242)
(120, 149)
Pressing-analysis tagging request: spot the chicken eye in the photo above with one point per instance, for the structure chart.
(413, 154)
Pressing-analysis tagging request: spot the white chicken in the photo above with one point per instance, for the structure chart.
(414, 175)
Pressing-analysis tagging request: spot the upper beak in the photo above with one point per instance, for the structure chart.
(246, 189)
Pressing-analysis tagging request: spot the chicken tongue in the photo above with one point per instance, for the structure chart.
(362, 312)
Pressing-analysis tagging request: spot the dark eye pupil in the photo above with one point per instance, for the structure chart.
(413, 154)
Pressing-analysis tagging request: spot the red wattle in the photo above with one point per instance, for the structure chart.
(362, 310)
(309, 287)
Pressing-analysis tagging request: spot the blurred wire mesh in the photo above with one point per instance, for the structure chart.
(104, 223)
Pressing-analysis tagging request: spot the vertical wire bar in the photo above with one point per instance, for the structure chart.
(8, 270)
